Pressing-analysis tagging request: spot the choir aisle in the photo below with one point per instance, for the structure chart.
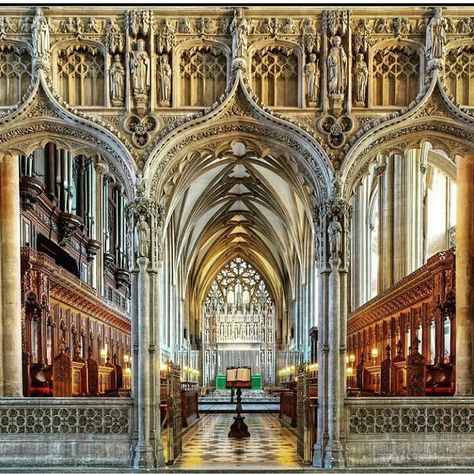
(270, 445)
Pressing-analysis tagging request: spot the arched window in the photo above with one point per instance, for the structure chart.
(203, 71)
(395, 76)
(275, 76)
(238, 283)
(459, 74)
(15, 73)
(373, 244)
(440, 210)
(81, 75)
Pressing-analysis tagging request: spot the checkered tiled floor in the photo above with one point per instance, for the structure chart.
(209, 446)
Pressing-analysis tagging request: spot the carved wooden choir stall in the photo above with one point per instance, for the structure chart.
(404, 338)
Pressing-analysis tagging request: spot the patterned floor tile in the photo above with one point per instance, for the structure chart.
(208, 444)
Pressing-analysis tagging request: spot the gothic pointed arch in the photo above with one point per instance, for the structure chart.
(44, 117)
(432, 117)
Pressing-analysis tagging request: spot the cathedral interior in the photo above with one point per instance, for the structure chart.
(264, 211)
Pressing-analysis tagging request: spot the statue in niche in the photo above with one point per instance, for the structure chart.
(140, 69)
(40, 29)
(337, 65)
(239, 29)
(436, 35)
(117, 75)
(164, 79)
(142, 237)
(311, 72)
(335, 238)
(361, 74)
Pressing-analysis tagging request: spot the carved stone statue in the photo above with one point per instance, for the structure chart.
(335, 238)
(311, 72)
(239, 29)
(337, 67)
(140, 69)
(436, 35)
(142, 237)
(141, 76)
(40, 31)
(361, 74)
(117, 74)
(164, 79)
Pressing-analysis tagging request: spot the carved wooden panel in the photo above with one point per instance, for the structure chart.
(62, 375)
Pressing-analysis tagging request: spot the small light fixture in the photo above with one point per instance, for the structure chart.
(349, 371)
(375, 353)
(126, 358)
(352, 357)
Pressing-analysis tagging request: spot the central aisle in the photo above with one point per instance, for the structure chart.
(270, 445)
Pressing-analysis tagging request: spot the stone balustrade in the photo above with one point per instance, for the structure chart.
(73, 431)
(409, 431)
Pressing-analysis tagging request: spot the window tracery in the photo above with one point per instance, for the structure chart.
(275, 76)
(203, 72)
(81, 75)
(238, 283)
(15, 73)
(395, 76)
(459, 74)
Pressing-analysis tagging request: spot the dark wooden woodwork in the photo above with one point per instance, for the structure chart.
(386, 372)
(416, 378)
(92, 375)
(189, 403)
(62, 375)
(288, 413)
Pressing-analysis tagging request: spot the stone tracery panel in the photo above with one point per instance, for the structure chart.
(395, 76)
(64, 419)
(459, 74)
(275, 76)
(81, 76)
(15, 73)
(203, 71)
(416, 419)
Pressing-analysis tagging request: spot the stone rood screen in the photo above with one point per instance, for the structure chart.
(239, 323)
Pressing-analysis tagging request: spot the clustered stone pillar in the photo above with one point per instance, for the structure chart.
(465, 276)
(10, 278)
(148, 451)
(333, 255)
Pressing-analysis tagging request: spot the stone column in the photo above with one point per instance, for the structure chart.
(143, 456)
(334, 245)
(148, 451)
(10, 278)
(322, 354)
(333, 454)
(465, 276)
